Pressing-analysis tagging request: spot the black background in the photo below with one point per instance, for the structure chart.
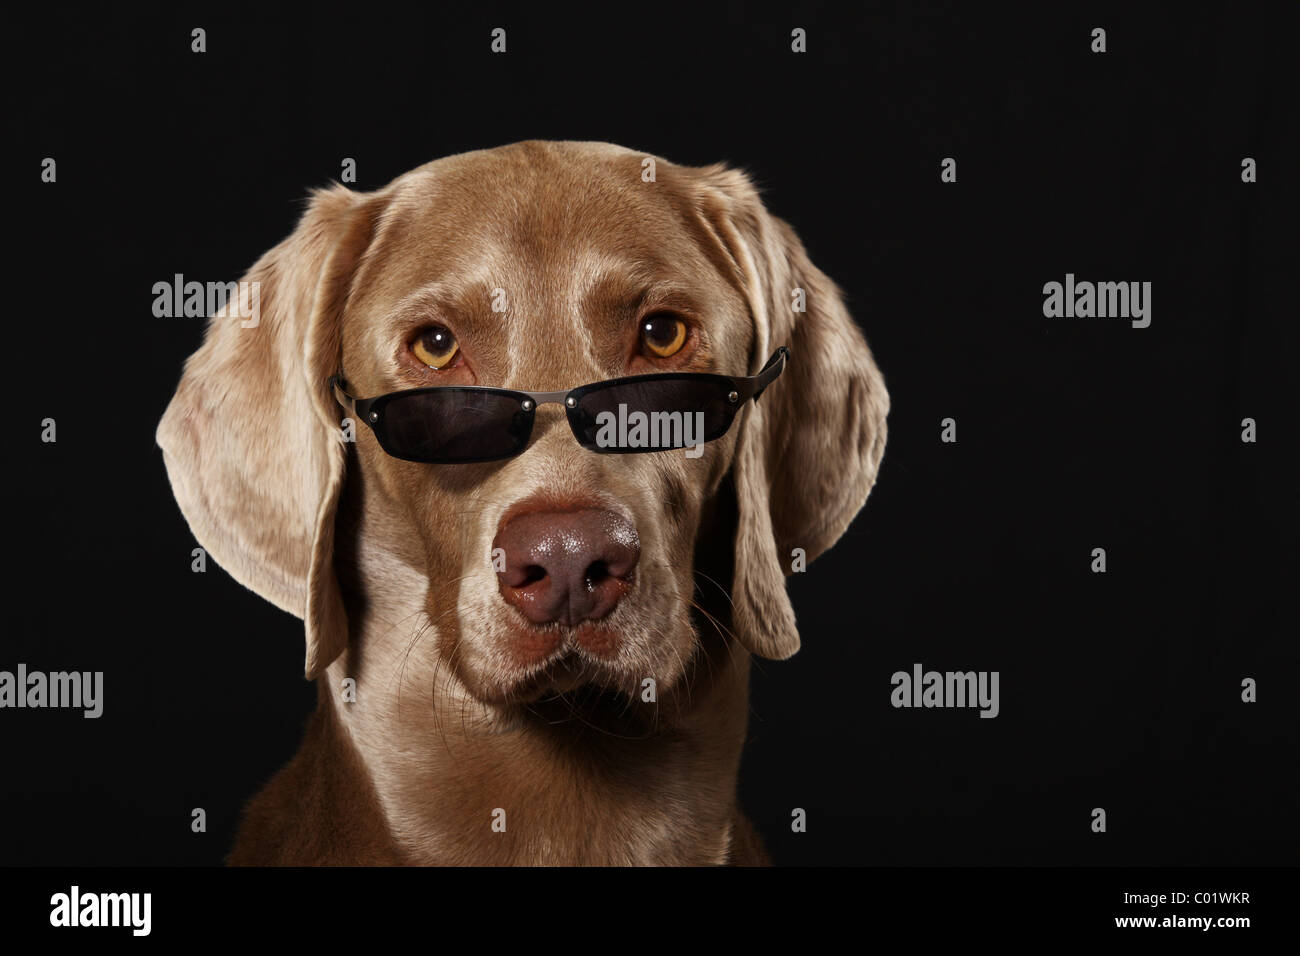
(1119, 690)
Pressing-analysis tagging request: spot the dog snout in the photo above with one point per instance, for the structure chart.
(567, 566)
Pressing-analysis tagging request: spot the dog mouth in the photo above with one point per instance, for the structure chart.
(592, 707)
(574, 672)
(571, 691)
(609, 670)
(575, 690)
(536, 660)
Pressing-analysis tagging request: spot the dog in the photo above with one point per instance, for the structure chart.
(541, 658)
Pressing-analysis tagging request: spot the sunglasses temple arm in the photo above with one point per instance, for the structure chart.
(342, 397)
(770, 372)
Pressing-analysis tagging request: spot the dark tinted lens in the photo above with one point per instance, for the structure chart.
(654, 414)
(453, 425)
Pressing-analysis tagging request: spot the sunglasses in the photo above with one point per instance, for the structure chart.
(459, 424)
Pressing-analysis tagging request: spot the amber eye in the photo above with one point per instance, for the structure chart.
(664, 335)
(436, 347)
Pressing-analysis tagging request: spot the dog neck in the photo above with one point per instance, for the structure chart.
(458, 781)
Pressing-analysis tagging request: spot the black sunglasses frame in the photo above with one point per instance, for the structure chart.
(740, 390)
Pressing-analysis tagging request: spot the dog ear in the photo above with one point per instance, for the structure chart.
(251, 439)
(810, 446)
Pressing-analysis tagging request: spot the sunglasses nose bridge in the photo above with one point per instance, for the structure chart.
(552, 430)
(539, 402)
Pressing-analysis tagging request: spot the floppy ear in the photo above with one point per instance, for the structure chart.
(251, 439)
(809, 448)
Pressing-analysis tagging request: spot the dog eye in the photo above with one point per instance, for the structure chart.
(436, 347)
(664, 335)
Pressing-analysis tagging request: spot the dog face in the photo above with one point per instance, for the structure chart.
(540, 269)
(537, 267)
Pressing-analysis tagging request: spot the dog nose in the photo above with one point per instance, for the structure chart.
(566, 566)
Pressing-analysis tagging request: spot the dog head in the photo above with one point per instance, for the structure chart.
(537, 267)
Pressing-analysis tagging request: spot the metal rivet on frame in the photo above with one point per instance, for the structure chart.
(374, 416)
(732, 396)
(527, 405)
(571, 402)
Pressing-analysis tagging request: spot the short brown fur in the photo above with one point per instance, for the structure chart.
(388, 562)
